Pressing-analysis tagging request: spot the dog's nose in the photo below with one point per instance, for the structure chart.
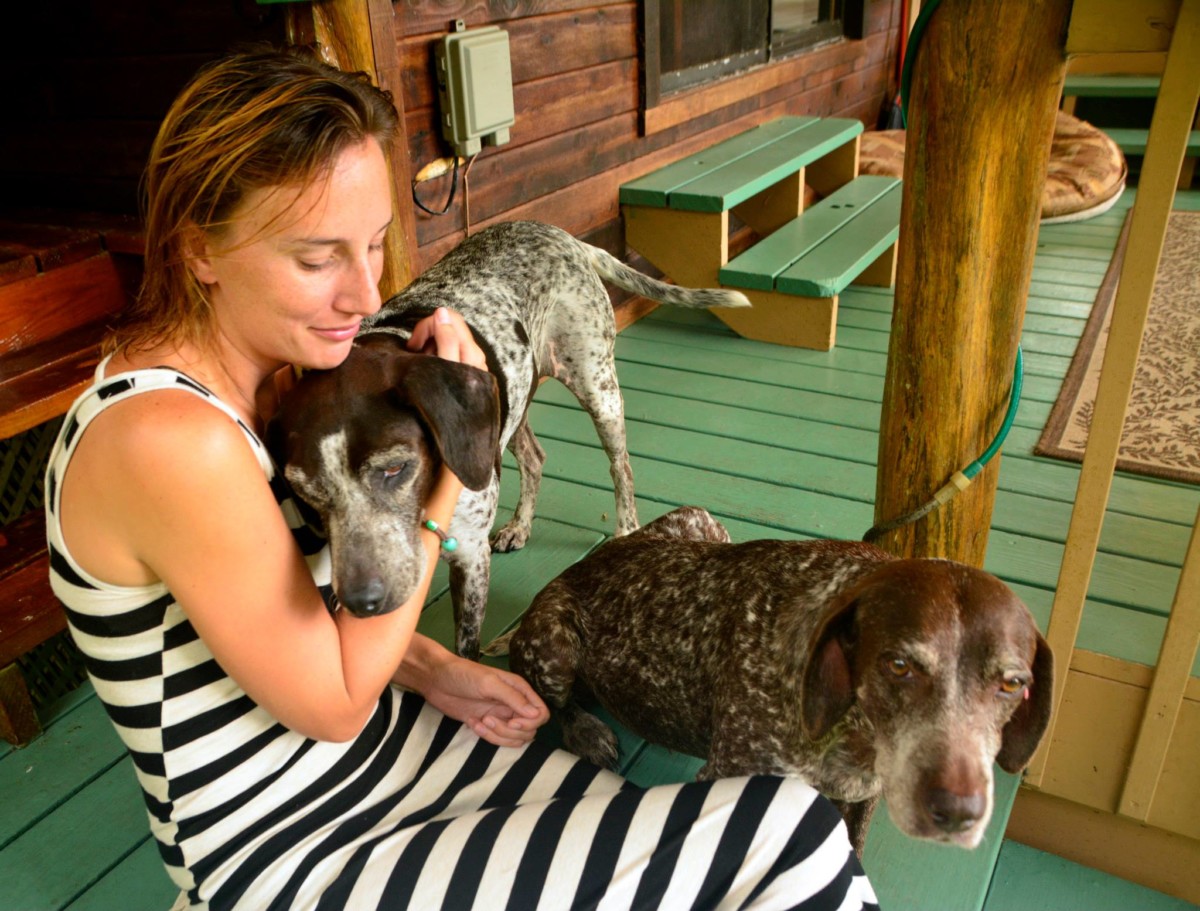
(364, 599)
(952, 812)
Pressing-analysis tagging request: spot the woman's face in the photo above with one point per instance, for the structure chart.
(297, 270)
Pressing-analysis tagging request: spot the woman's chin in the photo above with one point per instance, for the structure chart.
(327, 355)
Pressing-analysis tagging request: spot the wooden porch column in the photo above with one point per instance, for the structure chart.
(985, 87)
(356, 35)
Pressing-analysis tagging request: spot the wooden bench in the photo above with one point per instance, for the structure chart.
(62, 277)
(678, 218)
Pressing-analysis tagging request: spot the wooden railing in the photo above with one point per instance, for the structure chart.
(1146, 815)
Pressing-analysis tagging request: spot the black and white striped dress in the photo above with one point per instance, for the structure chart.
(417, 812)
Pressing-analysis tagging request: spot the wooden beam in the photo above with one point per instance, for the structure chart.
(1169, 129)
(1142, 854)
(986, 83)
(1118, 26)
(1171, 673)
(360, 35)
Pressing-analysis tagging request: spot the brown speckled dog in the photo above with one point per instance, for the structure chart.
(361, 443)
(829, 660)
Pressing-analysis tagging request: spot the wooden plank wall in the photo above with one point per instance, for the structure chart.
(84, 86)
(575, 87)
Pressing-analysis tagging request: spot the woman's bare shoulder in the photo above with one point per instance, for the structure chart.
(174, 427)
(146, 468)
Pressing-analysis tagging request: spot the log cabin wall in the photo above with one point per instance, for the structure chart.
(85, 84)
(578, 132)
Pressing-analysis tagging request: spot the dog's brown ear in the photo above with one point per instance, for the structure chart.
(1025, 728)
(827, 687)
(461, 407)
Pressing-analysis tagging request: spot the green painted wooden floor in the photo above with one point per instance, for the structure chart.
(777, 442)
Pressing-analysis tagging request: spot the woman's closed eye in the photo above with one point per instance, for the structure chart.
(309, 266)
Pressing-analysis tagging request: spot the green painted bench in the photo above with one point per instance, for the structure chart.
(678, 218)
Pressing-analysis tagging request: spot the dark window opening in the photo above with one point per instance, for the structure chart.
(692, 42)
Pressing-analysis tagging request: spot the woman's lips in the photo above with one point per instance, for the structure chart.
(338, 334)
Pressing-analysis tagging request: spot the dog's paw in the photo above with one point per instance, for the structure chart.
(591, 739)
(509, 538)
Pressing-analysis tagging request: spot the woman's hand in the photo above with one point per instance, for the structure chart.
(447, 335)
(499, 706)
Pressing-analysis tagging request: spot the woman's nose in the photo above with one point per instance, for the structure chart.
(360, 293)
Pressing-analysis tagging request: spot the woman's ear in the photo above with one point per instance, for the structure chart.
(196, 246)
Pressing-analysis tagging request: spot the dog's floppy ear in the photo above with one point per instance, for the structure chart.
(1025, 728)
(827, 687)
(461, 407)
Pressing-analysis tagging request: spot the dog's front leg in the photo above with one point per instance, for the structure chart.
(470, 564)
(530, 458)
(470, 576)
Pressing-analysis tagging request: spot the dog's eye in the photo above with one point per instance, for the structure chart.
(1012, 685)
(898, 667)
(395, 474)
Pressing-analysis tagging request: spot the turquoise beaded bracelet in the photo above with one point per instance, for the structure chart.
(448, 544)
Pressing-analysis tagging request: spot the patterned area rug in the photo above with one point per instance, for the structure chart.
(1161, 436)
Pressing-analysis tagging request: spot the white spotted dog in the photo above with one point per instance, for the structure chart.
(833, 661)
(360, 444)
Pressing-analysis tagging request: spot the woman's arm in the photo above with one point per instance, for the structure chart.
(164, 486)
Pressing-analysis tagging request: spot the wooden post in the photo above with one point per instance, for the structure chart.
(986, 82)
(359, 35)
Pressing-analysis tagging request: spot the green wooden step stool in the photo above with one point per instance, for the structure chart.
(677, 217)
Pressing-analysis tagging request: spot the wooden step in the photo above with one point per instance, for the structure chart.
(729, 173)
(793, 277)
(1133, 141)
(823, 250)
(1117, 85)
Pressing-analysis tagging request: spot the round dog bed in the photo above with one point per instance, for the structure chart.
(1086, 175)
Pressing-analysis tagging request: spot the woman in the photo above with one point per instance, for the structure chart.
(280, 766)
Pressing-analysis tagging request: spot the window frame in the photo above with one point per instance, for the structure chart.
(653, 95)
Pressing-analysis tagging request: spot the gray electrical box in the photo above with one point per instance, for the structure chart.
(474, 73)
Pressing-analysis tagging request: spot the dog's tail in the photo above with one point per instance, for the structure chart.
(499, 646)
(611, 269)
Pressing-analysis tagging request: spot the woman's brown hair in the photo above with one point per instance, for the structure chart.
(256, 119)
